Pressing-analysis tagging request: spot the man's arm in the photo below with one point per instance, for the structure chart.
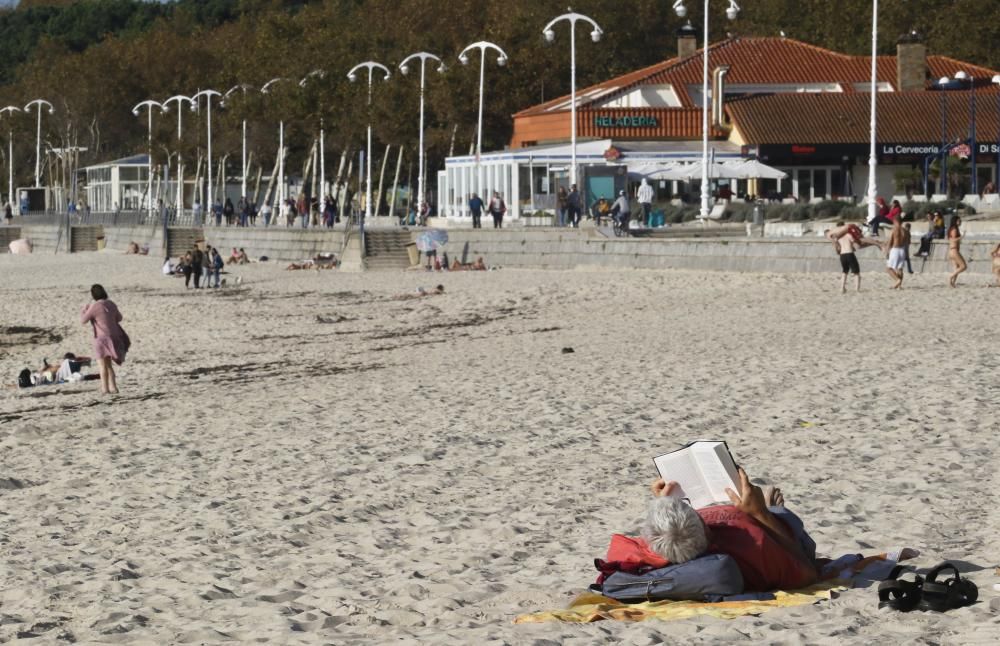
(751, 502)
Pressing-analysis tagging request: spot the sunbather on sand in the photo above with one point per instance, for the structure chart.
(479, 265)
(768, 542)
(420, 293)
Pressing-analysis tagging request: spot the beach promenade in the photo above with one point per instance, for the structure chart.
(303, 459)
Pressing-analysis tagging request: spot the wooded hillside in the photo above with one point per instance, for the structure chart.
(95, 59)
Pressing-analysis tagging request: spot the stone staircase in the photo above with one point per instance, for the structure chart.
(386, 249)
(181, 240)
(8, 234)
(85, 237)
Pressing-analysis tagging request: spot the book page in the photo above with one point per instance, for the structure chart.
(680, 467)
(717, 469)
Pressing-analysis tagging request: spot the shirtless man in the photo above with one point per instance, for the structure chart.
(846, 240)
(899, 242)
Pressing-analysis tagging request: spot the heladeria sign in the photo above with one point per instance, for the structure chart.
(608, 121)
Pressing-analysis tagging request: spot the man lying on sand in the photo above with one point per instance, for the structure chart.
(768, 542)
(321, 261)
(479, 265)
(420, 293)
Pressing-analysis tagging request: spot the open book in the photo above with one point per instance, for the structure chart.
(703, 469)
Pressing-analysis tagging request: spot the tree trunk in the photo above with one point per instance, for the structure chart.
(377, 207)
(342, 200)
(395, 184)
(271, 182)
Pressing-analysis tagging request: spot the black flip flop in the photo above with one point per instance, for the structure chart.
(953, 592)
(900, 594)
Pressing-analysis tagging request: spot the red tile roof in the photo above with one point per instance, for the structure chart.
(831, 118)
(766, 61)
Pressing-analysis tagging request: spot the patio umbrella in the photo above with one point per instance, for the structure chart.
(689, 172)
(20, 246)
(753, 169)
(431, 240)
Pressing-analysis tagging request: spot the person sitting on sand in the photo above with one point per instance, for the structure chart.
(420, 293)
(64, 370)
(132, 249)
(479, 265)
(846, 240)
(768, 542)
(241, 257)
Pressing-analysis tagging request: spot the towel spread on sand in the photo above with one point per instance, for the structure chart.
(846, 572)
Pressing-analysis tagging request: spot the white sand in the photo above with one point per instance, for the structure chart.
(424, 471)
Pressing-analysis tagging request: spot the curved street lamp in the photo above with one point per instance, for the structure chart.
(404, 67)
(318, 73)
(550, 35)
(38, 138)
(731, 12)
(179, 100)
(149, 105)
(352, 76)
(243, 87)
(502, 58)
(10, 155)
(195, 100)
(279, 195)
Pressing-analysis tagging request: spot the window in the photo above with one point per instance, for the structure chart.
(819, 183)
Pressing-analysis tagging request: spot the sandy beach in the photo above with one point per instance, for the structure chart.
(302, 459)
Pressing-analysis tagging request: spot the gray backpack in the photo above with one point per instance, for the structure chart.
(707, 578)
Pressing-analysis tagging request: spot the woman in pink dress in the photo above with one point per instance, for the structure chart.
(110, 341)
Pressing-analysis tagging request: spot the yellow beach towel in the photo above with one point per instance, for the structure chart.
(589, 607)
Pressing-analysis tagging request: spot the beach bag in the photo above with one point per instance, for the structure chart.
(707, 578)
(24, 378)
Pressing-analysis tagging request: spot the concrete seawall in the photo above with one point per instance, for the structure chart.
(568, 250)
(554, 249)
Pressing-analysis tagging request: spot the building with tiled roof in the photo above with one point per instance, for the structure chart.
(796, 106)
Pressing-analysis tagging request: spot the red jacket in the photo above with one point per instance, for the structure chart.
(764, 563)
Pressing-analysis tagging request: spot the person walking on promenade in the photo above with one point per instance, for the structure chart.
(573, 206)
(955, 250)
(217, 212)
(645, 198)
(896, 252)
(846, 240)
(497, 209)
(110, 340)
(561, 205)
(476, 206)
(229, 211)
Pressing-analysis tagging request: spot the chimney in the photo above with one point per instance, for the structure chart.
(911, 63)
(719, 95)
(687, 40)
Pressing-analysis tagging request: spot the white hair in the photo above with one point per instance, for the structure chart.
(674, 530)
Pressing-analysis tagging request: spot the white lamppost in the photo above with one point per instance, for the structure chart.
(10, 155)
(404, 67)
(38, 138)
(731, 13)
(872, 156)
(550, 36)
(149, 105)
(996, 79)
(280, 193)
(179, 100)
(483, 46)
(371, 66)
(195, 100)
(243, 88)
(322, 143)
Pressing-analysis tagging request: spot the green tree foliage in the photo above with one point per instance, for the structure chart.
(95, 59)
